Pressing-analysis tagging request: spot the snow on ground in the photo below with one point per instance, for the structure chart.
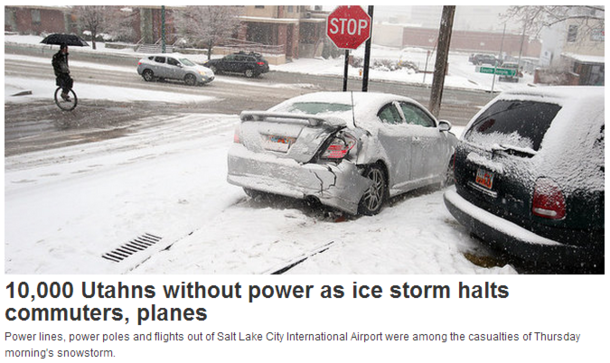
(66, 207)
(14, 85)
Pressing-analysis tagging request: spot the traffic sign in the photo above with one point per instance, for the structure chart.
(499, 71)
(348, 27)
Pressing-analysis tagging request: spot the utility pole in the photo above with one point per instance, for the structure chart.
(442, 54)
(162, 28)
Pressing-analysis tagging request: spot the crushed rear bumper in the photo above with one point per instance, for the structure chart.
(339, 186)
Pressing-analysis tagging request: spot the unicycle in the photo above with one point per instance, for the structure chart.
(65, 105)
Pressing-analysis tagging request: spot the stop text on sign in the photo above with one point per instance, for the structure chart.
(348, 26)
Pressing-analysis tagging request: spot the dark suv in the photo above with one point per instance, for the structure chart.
(529, 177)
(250, 64)
(478, 59)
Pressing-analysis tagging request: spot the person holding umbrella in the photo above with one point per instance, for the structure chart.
(60, 64)
(62, 71)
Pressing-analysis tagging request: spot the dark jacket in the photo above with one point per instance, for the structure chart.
(60, 64)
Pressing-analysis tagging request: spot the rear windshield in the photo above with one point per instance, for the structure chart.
(513, 123)
(314, 108)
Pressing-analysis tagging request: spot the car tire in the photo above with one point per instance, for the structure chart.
(251, 192)
(250, 73)
(190, 80)
(148, 75)
(374, 197)
(258, 196)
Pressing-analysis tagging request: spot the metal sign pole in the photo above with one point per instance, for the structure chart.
(345, 69)
(367, 55)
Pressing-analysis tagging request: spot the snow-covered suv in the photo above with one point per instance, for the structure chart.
(529, 177)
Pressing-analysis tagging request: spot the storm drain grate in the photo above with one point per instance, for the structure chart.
(139, 244)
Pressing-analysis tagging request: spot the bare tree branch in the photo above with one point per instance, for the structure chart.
(535, 18)
(113, 20)
(207, 25)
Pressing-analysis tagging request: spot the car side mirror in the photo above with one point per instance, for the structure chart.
(444, 125)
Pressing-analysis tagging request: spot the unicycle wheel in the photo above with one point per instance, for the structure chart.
(65, 104)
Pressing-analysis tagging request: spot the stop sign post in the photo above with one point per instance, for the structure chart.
(348, 27)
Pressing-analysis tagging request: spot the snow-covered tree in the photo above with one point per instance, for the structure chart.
(207, 25)
(535, 18)
(115, 21)
(90, 19)
(118, 23)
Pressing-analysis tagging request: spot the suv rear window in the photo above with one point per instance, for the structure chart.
(513, 122)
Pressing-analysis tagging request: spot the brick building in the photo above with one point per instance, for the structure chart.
(38, 19)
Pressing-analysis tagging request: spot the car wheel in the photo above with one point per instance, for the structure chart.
(258, 196)
(148, 75)
(250, 73)
(373, 198)
(190, 80)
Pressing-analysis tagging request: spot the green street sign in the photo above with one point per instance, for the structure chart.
(499, 71)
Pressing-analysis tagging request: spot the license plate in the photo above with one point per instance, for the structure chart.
(277, 143)
(485, 178)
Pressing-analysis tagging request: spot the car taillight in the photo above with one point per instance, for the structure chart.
(261, 63)
(549, 201)
(339, 147)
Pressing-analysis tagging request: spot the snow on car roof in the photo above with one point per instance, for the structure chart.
(346, 97)
(366, 104)
(568, 97)
(565, 93)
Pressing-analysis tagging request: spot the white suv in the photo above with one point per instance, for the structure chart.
(174, 66)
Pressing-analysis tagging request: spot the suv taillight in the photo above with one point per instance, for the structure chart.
(548, 200)
(261, 63)
(339, 147)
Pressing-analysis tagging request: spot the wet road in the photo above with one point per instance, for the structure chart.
(38, 124)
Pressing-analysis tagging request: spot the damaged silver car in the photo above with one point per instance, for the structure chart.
(349, 151)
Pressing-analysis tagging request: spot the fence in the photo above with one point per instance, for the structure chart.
(238, 44)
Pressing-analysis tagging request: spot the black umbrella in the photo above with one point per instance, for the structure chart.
(64, 39)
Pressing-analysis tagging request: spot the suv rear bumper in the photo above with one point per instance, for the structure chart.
(518, 241)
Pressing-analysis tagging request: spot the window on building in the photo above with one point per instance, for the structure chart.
(36, 16)
(572, 33)
(597, 35)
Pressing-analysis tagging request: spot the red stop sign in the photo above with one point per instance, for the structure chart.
(348, 27)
